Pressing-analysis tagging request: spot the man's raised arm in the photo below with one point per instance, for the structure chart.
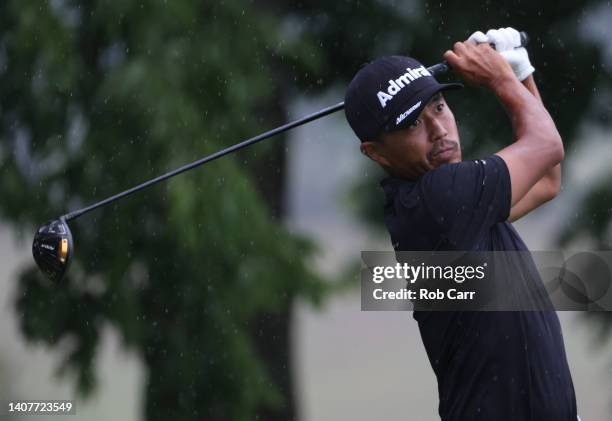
(537, 148)
(547, 188)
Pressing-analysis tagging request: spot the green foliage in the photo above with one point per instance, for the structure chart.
(98, 96)
(593, 217)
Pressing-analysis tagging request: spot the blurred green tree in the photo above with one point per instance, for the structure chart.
(198, 275)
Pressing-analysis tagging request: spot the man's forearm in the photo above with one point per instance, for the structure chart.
(530, 120)
(531, 86)
(547, 187)
(552, 178)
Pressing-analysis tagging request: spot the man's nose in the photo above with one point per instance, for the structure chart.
(437, 130)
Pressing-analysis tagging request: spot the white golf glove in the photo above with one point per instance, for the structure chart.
(507, 41)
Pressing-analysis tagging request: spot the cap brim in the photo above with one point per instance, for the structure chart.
(414, 113)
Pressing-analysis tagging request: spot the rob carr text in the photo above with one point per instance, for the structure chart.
(424, 294)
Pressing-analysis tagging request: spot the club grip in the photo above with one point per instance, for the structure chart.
(439, 69)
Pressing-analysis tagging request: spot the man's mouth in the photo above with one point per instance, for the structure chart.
(442, 151)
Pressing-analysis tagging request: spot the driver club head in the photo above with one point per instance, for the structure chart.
(53, 248)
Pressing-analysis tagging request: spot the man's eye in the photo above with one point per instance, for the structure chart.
(416, 123)
(439, 107)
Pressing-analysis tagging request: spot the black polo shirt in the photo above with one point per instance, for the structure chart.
(490, 366)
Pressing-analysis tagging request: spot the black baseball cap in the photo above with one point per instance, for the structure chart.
(389, 94)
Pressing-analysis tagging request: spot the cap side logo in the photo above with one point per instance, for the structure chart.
(395, 86)
(406, 113)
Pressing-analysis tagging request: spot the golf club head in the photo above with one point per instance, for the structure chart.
(52, 248)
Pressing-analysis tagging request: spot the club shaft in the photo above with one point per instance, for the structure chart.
(219, 154)
(435, 70)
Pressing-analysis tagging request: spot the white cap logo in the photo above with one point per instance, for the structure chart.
(401, 82)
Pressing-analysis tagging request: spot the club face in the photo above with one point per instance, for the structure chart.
(53, 248)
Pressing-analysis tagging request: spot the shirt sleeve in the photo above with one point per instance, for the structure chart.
(467, 198)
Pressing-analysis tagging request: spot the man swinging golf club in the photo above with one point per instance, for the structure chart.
(489, 365)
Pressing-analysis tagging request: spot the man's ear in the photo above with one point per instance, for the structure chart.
(374, 151)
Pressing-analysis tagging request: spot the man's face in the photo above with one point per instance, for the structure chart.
(432, 140)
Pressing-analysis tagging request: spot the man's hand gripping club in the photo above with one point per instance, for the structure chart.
(537, 147)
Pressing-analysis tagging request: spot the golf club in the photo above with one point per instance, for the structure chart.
(53, 246)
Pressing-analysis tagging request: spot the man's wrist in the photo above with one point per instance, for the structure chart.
(529, 83)
(502, 84)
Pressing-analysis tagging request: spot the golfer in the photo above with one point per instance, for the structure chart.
(490, 366)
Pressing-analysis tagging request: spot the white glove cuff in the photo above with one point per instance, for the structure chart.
(525, 72)
(519, 61)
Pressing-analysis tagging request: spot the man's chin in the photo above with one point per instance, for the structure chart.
(451, 157)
